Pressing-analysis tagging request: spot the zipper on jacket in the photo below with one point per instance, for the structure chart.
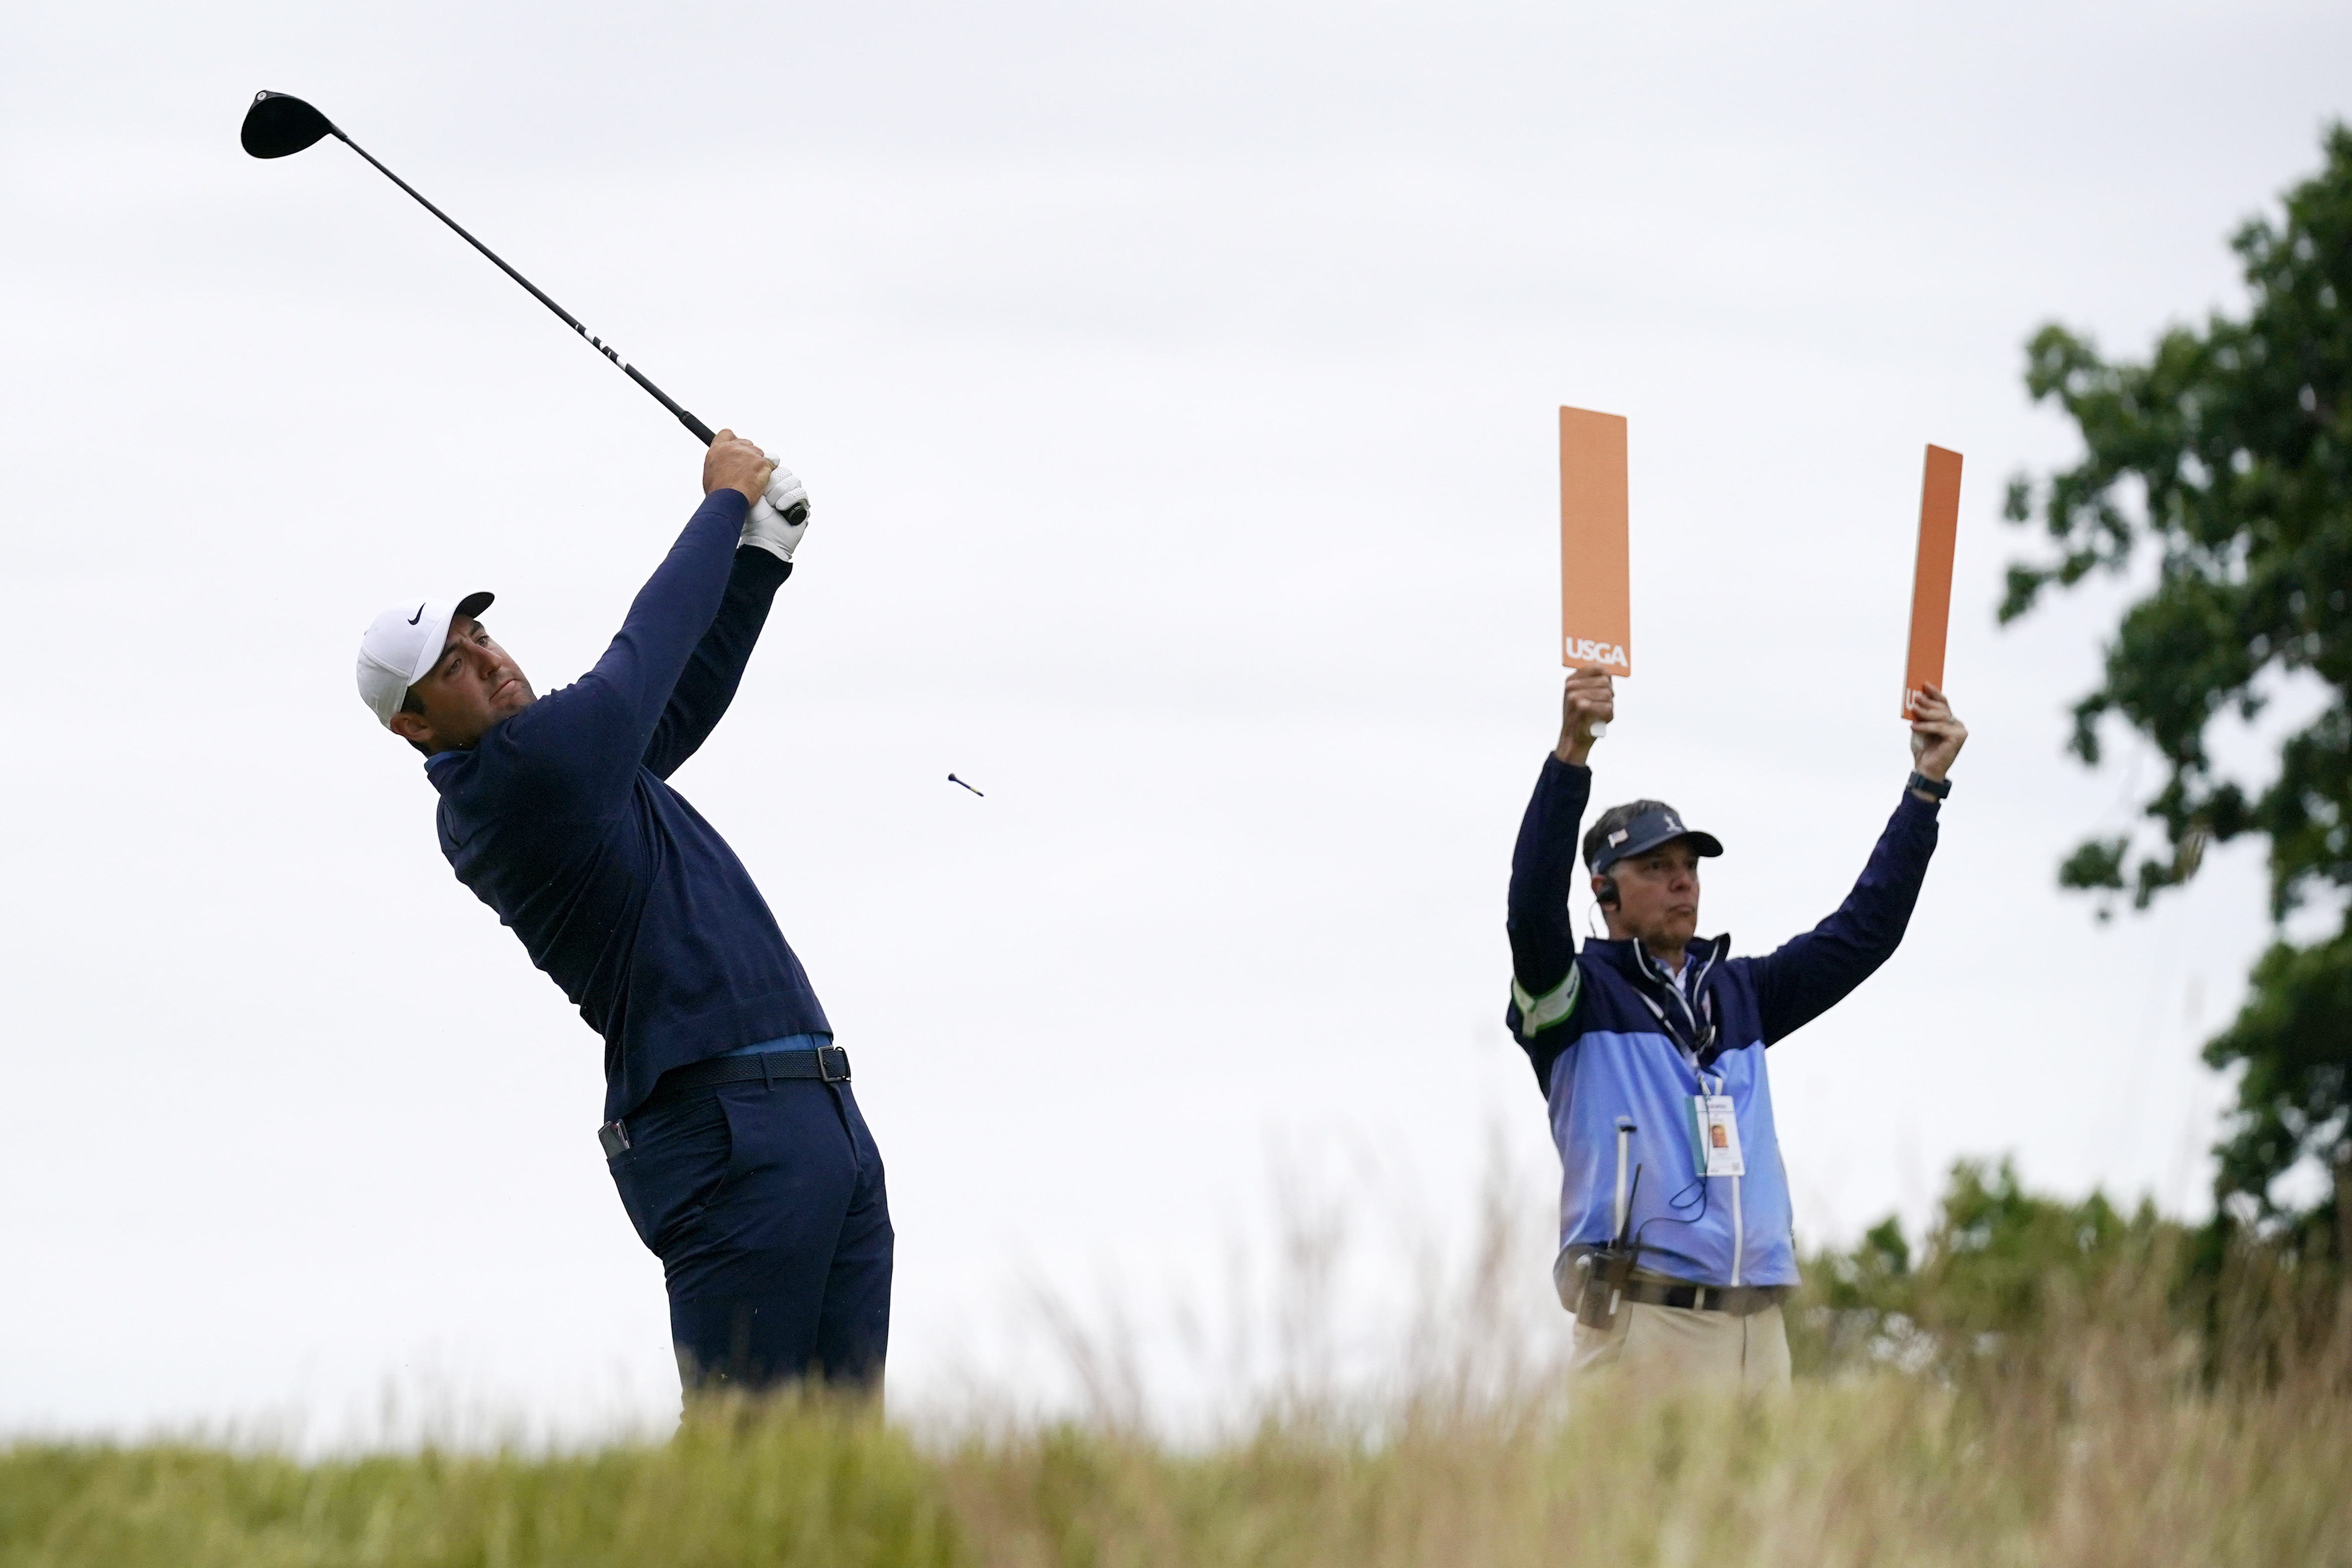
(1738, 1232)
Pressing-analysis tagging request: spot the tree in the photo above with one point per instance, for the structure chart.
(1996, 1278)
(2225, 462)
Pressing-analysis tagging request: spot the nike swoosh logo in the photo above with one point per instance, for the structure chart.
(417, 616)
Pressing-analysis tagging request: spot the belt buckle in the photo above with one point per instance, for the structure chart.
(825, 1057)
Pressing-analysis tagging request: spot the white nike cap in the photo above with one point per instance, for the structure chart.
(401, 647)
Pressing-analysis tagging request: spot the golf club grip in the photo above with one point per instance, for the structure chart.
(790, 516)
(795, 514)
(702, 433)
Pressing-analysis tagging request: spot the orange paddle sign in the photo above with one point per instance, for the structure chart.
(1931, 574)
(1596, 587)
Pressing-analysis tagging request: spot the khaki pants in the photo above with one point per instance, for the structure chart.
(1653, 1349)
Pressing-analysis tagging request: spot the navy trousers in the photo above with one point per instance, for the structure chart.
(766, 1207)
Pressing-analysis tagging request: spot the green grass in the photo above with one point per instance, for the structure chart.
(791, 1484)
(2115, 1460)
(2041, 1383)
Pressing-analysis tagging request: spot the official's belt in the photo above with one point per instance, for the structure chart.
(1739, 1301)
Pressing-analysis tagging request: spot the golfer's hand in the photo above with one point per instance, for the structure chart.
(734, 464)
(1589, 700)
(1936, 736)
(765, 526)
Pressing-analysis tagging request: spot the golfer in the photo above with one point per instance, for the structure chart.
(1675, 1250)
(730, 1128)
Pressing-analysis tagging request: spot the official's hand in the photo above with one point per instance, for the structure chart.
(1936, 735)
(1587, 699)
(734, 464)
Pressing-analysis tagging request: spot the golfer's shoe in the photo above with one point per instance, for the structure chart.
(766, 527)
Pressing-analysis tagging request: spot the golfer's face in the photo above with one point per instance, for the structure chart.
(475, 685)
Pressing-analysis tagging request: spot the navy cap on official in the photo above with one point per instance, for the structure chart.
(1637, 828)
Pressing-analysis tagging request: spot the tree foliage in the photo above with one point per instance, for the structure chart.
(1996, 1268)
(2224, 460)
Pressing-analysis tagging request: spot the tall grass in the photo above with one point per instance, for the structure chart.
(797, 1482)
(2042, 1386)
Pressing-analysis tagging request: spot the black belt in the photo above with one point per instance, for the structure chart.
(1739, 1301)
(828, 1062)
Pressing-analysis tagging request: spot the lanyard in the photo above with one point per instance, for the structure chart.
(1681, 1036)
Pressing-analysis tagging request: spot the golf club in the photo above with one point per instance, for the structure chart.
(279, 124)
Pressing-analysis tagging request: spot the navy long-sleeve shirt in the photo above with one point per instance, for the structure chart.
(562, 819)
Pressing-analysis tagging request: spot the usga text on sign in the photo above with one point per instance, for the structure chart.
(1596, 652)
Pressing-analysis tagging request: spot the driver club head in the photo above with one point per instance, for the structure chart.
(279, 124)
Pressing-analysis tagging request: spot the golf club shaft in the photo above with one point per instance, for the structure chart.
(701, 432)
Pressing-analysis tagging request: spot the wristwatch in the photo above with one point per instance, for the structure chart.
(1939, 788)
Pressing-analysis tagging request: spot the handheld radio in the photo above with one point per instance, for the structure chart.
(1607, 1271)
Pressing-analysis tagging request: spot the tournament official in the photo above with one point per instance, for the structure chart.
(731, 1129)
(1649, 1047)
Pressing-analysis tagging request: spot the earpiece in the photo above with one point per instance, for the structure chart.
(1606, 894)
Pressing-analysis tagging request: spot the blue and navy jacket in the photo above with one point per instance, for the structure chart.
(1604, 1028)
(562, 819)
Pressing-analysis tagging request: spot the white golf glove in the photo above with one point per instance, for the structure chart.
(766, 527)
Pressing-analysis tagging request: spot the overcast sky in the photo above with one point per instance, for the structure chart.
(1176, 388)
